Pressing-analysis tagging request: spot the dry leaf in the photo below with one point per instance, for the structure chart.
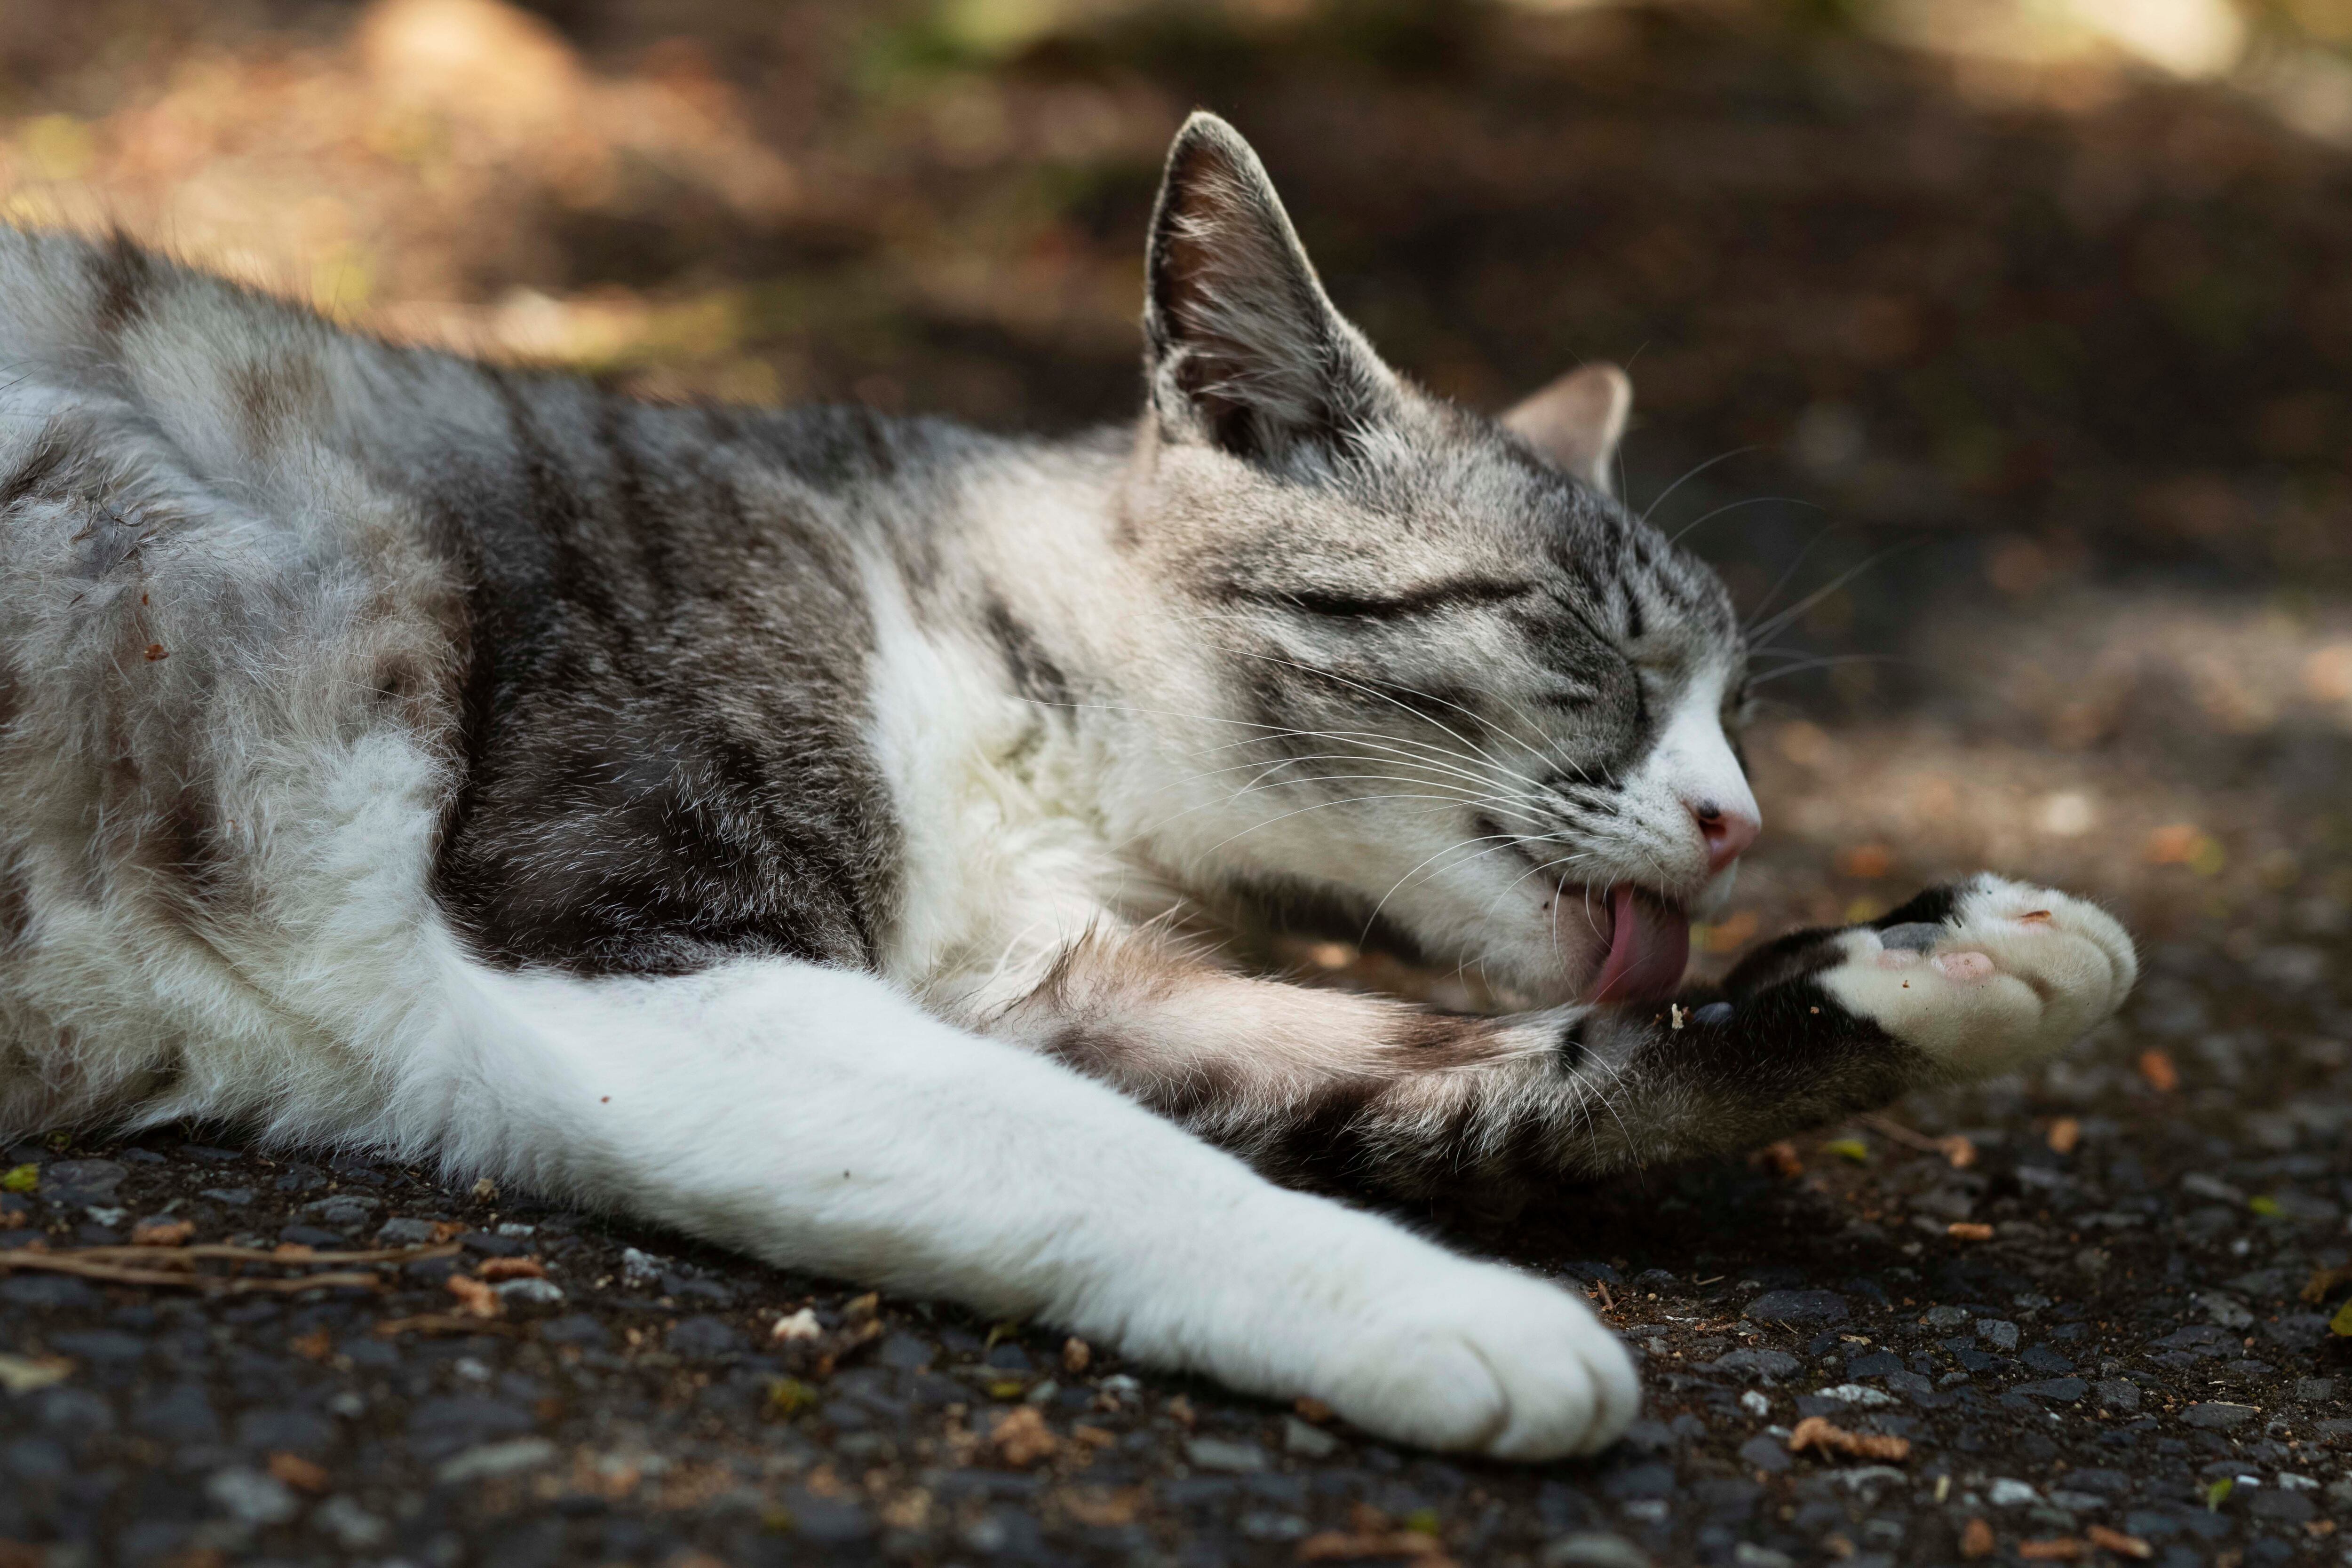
(316, 1346)
(1816, 1432)
(473, 1297)
(2185, 844)
(443, 1322)
(1866, 862)
(485, 1190)
(1099, 1507)
(1341, 1546)
(2324, 1283)
(828, 1352)
(1311, 1409)
(24, 1374)
(1370, 1533)
(495, 1269)
(2065, 1134)
(788, 1396)
(2117, 1541)
(1076, 1356)
(1967, 1230)
(1021, 1438)
(301, 1474)
(1782, 1159)
(2157, 1069)
(863, 1309)
(1959, 1152)
(1975, 1539)
(163, 1232)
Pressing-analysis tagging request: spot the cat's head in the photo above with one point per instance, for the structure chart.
(1401, 657)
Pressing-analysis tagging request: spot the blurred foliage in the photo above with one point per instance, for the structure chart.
(2042, 308)
(2059, 275)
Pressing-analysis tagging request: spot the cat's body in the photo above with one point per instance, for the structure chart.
(799, 828)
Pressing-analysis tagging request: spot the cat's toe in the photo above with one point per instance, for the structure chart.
(1964, 969)
(2077, 957)
(1509, 1368)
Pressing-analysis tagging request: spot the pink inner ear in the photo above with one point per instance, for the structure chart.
(1577, 420)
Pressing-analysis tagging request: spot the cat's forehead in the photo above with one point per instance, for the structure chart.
(1454, 502)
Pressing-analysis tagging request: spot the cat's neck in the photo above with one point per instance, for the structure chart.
(1008, 625)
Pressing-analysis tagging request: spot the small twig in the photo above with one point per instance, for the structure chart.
(1607, 1305)
(443, 1322)
(303, 1282)
(1817, 1432)
(1908, 1137)
(153, 1255)
(176, 1268)
(1955, 1148)
(93, 1269)
(118, 1274)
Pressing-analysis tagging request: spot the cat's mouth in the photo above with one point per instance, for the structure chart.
(1649, 946)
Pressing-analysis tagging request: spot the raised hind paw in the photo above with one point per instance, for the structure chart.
(1486, 1361)
(1985, 974)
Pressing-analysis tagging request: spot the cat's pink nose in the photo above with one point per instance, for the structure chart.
(1728, 832)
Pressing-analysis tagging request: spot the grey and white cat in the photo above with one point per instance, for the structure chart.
(804, 828)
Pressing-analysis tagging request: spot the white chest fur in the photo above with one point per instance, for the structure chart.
(1006, 858)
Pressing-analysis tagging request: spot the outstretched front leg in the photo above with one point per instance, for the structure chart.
(815, 1118)
(1963, 982)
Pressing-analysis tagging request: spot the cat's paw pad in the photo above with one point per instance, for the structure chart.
(2011, 974)
(1498, 1364)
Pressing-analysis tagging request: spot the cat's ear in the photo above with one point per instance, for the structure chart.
(1244, 348)
(1577, 421)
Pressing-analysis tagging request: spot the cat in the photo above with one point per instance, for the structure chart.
(809, 830)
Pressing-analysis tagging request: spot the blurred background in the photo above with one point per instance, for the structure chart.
(2000, 352)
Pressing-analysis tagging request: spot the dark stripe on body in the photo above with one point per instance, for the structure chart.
(666, 700)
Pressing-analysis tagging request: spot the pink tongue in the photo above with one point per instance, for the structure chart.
(1649, 947)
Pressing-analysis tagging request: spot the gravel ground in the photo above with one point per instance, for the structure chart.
(2127, 1332)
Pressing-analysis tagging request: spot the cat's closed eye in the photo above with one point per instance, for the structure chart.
(1433, 598)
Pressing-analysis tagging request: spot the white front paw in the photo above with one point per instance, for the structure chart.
(2013, 975)
(1486, 1361)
